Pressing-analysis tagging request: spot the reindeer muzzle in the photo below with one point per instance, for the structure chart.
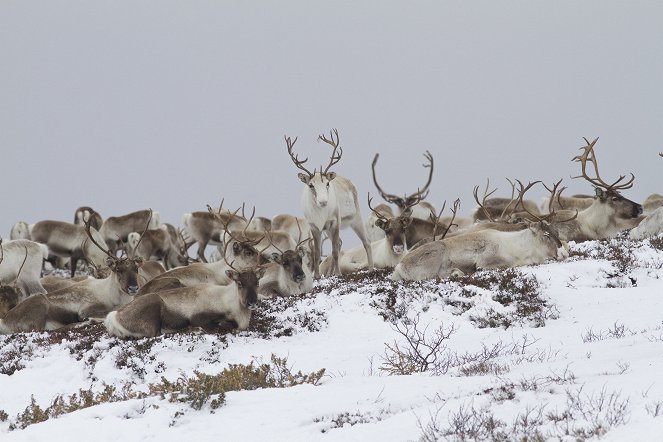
(252, 306)
(132, 289)
(637, 210)
(398, 249)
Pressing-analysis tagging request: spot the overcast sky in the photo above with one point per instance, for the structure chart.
(124, 105)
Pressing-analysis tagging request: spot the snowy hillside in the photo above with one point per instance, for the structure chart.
(570, 350)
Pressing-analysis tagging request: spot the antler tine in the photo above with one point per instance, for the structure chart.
(253, 213)
(2, 252)
(430, 165)
(554, 193)
(513, 193)
(416, 199)
(486, 194)
(521, 193)
(294, 157)
(89, 234)
(147, 225)
(590, 155)
(386, 196)
(335, 158)
(454, 210)
(378, 214)
(25, 258)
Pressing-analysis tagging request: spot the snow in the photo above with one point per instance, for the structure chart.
(602, 335)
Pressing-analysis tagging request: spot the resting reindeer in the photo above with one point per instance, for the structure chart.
(387, 252)
(20, 230)
(297, 228)
(483, 249)
(501, 209)
(68, 240)
(288, 274)
(92, 298)
(609, 213)
(116, 229)
(21, 261)
(202, 305)
(418, 208)
(330, 203)
(241, 246)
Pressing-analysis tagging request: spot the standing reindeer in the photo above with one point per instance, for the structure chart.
(208, 227)
(116, 229)
(330, 203)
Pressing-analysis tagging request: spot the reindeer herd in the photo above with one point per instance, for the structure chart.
(142, 281)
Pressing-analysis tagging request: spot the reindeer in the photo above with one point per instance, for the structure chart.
(91, 298)
(164, 243)
(68, 240)
(116, 229)
(18, 280)
(609, 212)
(330, 203)
(203, 305)
(419, 209)
(241, 245)
(484, 249)
(86, 214)
(501, 209)
(208, 227)
(387, 252)
(373, 232)
(21, 261)
(20, 230)
(652, 203)
(287, 274)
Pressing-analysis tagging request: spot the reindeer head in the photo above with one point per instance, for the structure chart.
(607, 195)
(406, 201)
(395, 228)
(291, 260)
(247, 284)
(318, 182)
(124, 268)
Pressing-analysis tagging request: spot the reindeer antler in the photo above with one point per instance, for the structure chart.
(89, 235)
(589, 155)
(436, 219)
(482, 203)
(422, 193)
(335, 157)
(378, 214)
(295, 158)
(147, 225)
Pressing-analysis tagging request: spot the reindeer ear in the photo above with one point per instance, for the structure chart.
(236, 248)
(381, 224)
(303, 177)
(231, 275)
(301, 252)
(406, 221)
(331, 175)
(110, 261)
(276, 257)
(139, 261)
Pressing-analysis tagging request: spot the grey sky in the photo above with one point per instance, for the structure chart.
(172, 105)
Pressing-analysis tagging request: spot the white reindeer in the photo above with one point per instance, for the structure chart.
(330, 203)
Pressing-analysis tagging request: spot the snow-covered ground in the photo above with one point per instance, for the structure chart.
(568, 350)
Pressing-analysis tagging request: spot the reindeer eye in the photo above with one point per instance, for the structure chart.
(311, 186)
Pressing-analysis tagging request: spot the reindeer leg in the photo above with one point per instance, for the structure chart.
(317, 251)
(336, 248)
(201, 250)
(358, 227)
(73, 262)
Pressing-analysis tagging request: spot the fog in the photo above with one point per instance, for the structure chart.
(174, 105)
